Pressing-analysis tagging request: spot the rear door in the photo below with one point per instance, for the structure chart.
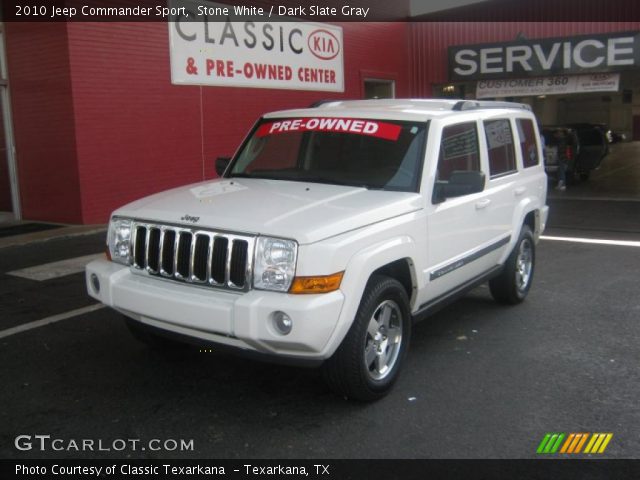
(504, 185)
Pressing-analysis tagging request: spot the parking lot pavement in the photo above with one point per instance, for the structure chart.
(481, 380)
(618, 177)
(23, 300)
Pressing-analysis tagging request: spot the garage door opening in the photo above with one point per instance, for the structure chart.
(378, 88)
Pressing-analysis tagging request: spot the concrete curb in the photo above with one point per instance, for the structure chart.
(46, 235)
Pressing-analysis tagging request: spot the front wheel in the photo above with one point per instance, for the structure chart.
(367, 363)
(514, 282)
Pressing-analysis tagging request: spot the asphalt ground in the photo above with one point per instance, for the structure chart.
(481, 380)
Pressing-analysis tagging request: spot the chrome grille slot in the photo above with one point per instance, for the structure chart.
(207, 258)
(184, 255)
(140, 242)
(153, 249)
(238, 263)
(200, 257)
(219, 260)
(167, 250)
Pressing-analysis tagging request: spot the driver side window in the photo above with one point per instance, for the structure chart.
(458, 170)
(458, 150)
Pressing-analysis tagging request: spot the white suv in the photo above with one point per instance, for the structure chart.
(331, 231)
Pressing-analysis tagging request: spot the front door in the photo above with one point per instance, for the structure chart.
(461, 229)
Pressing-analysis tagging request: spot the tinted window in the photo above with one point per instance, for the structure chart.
(528, 143)
(502, 157)
(376, 154)
(458, 150)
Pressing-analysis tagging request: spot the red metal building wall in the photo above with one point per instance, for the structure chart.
(43, 119)
(98, 122)
(127, 131)
(429, 42)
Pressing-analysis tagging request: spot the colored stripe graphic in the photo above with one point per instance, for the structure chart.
(550, 443)
(543, 443)
(573, 443)
(598, 443)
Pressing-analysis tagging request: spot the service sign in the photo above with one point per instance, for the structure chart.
(612, 52)
(555, 85)
(212, 44)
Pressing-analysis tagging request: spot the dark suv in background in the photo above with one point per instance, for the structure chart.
(582, 146)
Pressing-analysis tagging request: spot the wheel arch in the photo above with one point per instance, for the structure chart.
(402, 270)
(526, 213)
(393, 258)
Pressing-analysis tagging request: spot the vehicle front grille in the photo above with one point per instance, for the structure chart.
(190, 255)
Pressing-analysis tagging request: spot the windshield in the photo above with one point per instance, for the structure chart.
(365, 153)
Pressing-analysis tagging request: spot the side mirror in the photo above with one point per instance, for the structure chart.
(221, 165)
(461, 182)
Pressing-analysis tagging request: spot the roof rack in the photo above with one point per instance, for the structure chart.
(463, 105)
(324, 101)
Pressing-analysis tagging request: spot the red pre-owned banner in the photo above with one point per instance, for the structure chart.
(372, 128)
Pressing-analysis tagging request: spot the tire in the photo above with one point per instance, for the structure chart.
(513, 283)
(368, 362)
(584, 176)
(152, 340)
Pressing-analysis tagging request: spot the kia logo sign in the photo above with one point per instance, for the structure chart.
(323, 44)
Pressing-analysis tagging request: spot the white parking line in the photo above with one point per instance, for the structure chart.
(49, 320)
(55, 269)
(576, 196)
(596, 241)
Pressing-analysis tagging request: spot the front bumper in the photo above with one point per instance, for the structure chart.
(240, 320)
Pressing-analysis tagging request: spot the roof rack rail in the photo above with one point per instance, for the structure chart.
(324, 101)
(463, 105)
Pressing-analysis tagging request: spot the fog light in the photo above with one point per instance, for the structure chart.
(282, 322)
(95, 283)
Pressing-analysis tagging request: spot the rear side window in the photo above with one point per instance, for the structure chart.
(502, 158)
(458, 150)
(528, 143)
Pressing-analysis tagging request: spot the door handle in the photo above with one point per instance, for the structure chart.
(484, 203)
(520, 190)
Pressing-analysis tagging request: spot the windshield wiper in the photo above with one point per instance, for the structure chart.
(331, 181)
(297, 178)
(249, 175)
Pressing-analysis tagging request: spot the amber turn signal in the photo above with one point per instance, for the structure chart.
(323, 284)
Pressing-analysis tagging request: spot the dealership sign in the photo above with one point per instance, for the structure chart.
(559, 84)
(543, 57)
(210, 44)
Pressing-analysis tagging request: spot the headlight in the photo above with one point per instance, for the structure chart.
(274, 263)
(119, 239)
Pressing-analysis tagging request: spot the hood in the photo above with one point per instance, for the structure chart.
(306, 212)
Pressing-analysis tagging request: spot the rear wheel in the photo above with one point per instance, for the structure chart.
(367, 363)
(514, 282)
(584, 176)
